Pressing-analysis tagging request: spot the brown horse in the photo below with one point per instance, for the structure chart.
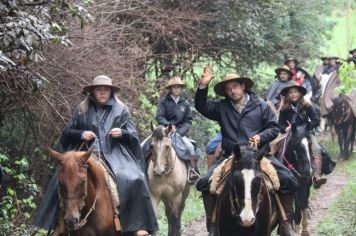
(167, 176)
(85, 201)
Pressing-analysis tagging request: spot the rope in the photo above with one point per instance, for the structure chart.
(289, 165)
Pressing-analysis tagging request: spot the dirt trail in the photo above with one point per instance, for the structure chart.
(319, 204)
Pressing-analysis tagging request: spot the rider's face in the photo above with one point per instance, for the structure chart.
(294, 94)
(176, 90)
(284, 76)
(102, 94)
(291, 64)
(235, 90)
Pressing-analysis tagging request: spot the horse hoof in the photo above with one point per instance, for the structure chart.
(305, 233)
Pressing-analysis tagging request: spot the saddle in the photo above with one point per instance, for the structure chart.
(221, 172)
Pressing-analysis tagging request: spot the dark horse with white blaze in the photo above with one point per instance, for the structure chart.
(297, 155)
(245, 206)
(167, 175)
(86, 204)
(344, 122)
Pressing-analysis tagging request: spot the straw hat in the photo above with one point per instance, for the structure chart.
(175, 80)
(101, 80)
(293, 84)
(219, 88)
(284, 68)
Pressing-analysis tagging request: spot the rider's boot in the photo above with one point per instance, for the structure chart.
(193, 172)
(209, 205)
(285, 226)
(318, 180)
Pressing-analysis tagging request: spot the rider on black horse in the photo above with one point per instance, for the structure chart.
(243, 118)
(298, 111)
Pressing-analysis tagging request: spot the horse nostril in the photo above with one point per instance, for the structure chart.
(71, 222)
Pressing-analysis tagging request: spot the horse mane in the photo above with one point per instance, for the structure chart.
(97, 173)
(245, 160)
(298, 133)
(158, 132)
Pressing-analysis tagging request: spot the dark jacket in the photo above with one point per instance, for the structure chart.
(124, 157)
(299, 117)
(273, 93)
(256, 118)
(179, 115)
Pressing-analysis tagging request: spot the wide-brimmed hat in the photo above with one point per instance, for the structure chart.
(304, 71)
(101, 80)
(329, 57)
(175, 80)
(284, 68)
(291, 59)
(219, 88)
(293, 84)
(352, 51)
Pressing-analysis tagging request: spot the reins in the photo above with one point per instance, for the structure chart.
(289, 165)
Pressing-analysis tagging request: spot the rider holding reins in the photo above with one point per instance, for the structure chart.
(298, 111)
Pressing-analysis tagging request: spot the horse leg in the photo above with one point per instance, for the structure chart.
(305, 219)
(155, 201)
(348, 144)
(173, 213)
(297, 217)
(339, 138)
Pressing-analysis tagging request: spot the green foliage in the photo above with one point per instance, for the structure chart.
(347, 75)
(18, 196)
(341, 217)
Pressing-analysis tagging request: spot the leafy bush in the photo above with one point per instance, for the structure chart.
(18, 191)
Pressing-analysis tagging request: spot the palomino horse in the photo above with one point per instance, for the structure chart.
(245, 206)
(86, 202)
(294, 152)
(167, 176)
(344, 121)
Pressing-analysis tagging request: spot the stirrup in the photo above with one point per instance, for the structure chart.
(194, 172)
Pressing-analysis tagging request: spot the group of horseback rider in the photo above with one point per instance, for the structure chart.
(105, 123)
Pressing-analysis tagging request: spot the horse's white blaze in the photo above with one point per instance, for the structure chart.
(306, 145)
(247, 215)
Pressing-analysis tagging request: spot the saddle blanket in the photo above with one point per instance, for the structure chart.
(221, 172)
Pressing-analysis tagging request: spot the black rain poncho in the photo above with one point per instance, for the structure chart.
(123, 155)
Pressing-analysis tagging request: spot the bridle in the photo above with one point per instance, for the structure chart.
(234, 199)
(154, 157)
(82, 200)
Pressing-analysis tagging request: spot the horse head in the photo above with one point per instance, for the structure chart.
(162, 150)
(297, 151)
(246, 185)
(72, 184)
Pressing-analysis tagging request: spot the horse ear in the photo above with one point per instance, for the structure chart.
(87, 154)
(237, 151)
(153, 127)
(55, 154)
